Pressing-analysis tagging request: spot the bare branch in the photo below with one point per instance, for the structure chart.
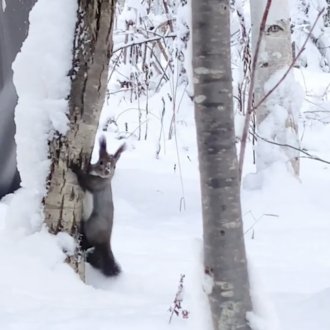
(309, 155)
(134, 43)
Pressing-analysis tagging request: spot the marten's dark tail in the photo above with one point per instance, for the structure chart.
(101, 257)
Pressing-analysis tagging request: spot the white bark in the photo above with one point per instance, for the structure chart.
(277, 117)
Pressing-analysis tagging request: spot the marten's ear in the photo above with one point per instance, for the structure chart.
(103, 147)
(119, 151)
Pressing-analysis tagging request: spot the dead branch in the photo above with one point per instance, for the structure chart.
(306, 153)
(134, 43)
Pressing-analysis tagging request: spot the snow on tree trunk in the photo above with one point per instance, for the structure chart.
(277, 116)
(92, 50)
(224, 252)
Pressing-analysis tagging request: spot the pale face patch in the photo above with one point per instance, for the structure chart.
(88, 204)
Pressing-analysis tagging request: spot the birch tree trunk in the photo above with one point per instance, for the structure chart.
(92, 51)
(224, 252)
(277, 116)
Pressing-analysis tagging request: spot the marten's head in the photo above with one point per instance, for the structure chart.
(106, 164)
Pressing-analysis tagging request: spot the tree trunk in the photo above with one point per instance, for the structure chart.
(224, 252)
(277, 117)
(92, 51)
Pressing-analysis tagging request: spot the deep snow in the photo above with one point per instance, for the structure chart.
(155, 239)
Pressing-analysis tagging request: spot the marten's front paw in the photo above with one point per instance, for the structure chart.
(75, 168)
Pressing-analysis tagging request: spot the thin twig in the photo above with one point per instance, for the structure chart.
(114, 67)
(159, 64)
(310, 156)
(317, 105)
(134, 43)
(161, 129)
(258, 219)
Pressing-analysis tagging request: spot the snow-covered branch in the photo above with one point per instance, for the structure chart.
(134, 43)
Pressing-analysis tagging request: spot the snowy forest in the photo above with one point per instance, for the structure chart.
(163, 164)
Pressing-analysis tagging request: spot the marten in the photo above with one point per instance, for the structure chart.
(98, 209)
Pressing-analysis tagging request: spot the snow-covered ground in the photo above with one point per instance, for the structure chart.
(153, 241)
(158, 226)
(287, 228)
(157, 231)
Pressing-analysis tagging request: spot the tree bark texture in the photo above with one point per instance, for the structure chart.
(92, 51)
(224, 251)
(275, 55)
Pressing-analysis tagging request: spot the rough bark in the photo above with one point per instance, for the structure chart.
(224, 252)
(92, 51)
(275, 54)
